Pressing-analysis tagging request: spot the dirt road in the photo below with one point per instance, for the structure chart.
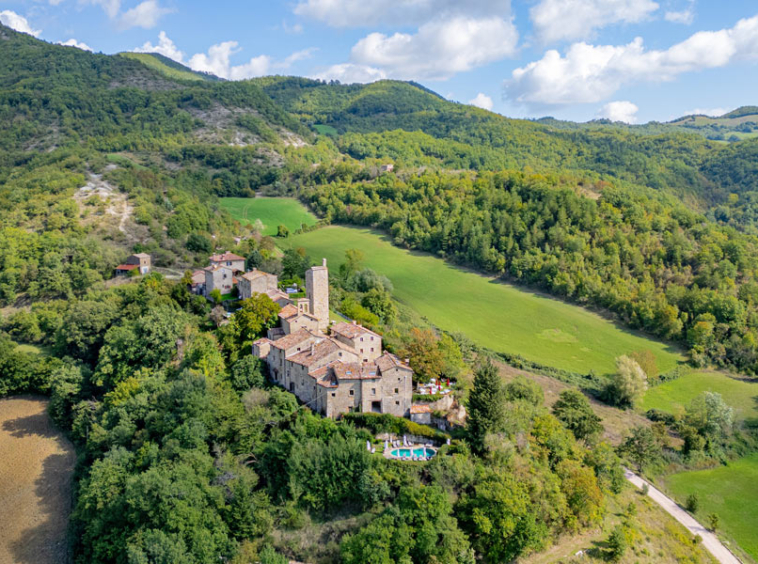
(710, 541)
(36, 465)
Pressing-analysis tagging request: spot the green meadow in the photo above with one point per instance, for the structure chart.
(741, 394)
(499, 316)
(728, 491)
(272, 212)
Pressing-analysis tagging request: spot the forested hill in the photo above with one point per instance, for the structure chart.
(403, 122)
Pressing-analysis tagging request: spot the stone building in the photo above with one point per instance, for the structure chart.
(333, 370)
(218, 277)
(235, 262)
(139, 261)
(317, 292)
(256, 282)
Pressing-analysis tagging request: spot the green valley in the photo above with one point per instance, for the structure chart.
(499, 316)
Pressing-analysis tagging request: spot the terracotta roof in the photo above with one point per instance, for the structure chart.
(288, 311)
(356, 371)
(293, 339)
(263, 341)
(215, 267)
(127, 266)
(276, 295)
(318, 352)
(420, 408)
(389, 361)
(351, 330)
(227, 256)
(198, 277)
(141, 255)
(255, 273)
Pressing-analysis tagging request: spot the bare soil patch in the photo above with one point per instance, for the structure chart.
(36, 467)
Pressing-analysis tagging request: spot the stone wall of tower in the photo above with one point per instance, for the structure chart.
(317, 292)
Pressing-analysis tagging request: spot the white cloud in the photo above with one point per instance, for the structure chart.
(686, 16)
(350, 73)
(623, 111)
(713, 112)
(482, 101)
(589, 73)
(440, 48)
(294, 29)
(144, 15)
(561, 20)
(110, 7)
(74, 43)
(165, 47)
(361, 13)
(217, 61)
(296, 57)
(17, 22)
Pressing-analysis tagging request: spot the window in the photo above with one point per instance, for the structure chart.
(397, 403)
(372, 339)
(373, 391)
(397, 390)
(372, 349)
(334, 394)
(352, 392)
(361, 339)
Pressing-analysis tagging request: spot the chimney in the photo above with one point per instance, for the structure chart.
(313, 348)
(323, 262)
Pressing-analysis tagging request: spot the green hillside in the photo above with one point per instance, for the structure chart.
(167, 67)
(499, 316)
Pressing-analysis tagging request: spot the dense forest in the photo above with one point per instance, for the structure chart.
(187, 454)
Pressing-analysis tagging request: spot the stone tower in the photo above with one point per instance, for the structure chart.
(317, 292)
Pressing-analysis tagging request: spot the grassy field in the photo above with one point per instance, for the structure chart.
(672, 396)
(498, 316)
(271, 211)
(731, 493)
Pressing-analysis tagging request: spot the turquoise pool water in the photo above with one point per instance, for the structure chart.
(408, 453)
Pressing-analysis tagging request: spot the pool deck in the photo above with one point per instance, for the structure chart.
(387, 453)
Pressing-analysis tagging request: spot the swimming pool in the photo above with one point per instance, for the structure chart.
(419, 452)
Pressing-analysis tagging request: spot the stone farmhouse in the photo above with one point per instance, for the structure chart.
(140, 261)
(333, 369)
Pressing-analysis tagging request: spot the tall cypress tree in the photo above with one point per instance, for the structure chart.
(486, 405)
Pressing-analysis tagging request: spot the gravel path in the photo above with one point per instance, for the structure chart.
(710, 541)
(36, 465)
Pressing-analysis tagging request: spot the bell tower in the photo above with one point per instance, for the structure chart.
(317, 292)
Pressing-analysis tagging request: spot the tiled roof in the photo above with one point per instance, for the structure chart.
(389, 361)
(226, 257)
(263, 341)
(198, 277)
(141, 255)
(420, 408)
(255, 273)
(356, 371)
(216, 267)
(318, 352)
(127, 266)
(288, 311)
(293, 339)
(351, 330)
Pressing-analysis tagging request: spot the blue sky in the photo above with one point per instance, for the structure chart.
(632, 60)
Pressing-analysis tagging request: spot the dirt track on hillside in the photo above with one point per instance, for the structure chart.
(36, 466)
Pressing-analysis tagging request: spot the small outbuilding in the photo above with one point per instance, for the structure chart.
(421, 413)
(139, 261)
